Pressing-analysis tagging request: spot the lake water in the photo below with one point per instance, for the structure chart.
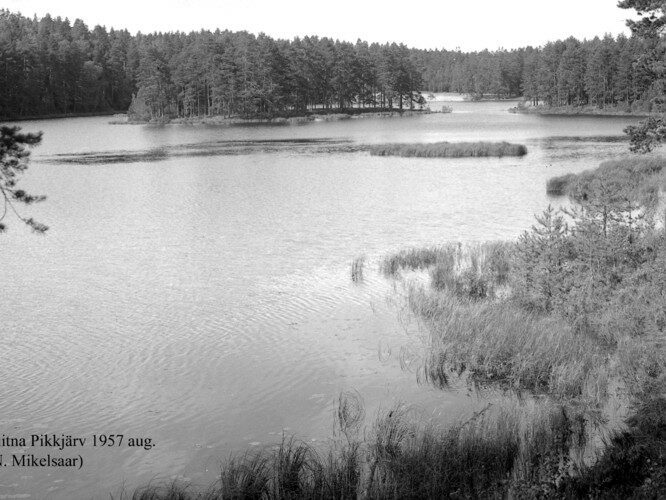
(194, 287)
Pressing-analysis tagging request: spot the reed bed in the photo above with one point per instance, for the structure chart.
(473, 271)
(500, 450)
(468, 271)
(497, 450)
(449, 149)
(497, 343)
(512, 449)
(413, 259)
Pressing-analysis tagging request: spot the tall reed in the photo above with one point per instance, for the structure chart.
(357, 266)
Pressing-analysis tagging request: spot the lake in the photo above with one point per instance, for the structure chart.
(194, 287)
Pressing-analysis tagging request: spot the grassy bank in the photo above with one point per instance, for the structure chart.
(567, 311)
(477, 326)
(449, 149)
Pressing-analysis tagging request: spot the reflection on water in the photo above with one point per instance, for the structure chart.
(202, 297)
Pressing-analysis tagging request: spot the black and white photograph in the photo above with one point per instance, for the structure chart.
(294, 250)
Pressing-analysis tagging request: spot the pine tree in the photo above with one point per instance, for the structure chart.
(13, 162)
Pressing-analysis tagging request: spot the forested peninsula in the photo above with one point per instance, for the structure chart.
(52, 67)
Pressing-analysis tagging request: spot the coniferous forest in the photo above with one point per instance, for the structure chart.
(51, 66)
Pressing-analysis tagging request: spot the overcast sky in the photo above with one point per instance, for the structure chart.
(470, 25)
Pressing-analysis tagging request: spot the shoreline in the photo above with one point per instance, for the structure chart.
(59, 116)
(280, 120)
(578, 111)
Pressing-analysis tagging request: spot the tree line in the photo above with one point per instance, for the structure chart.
(51, 66)
(240, 74)
(606, 71)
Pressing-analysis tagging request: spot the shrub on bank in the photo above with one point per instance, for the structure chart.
(557, 186)
(637, 180)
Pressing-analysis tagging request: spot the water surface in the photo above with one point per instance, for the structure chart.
(195, 286)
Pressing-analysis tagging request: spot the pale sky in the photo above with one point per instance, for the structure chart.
(470, 25)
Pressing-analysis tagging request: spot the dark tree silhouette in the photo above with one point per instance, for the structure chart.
(13, 162)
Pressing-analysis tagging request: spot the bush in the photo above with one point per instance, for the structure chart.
(557, 186)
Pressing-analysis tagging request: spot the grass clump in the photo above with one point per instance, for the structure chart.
(473, 272)
(417, 259)
(293, 470)
(357, 266)
(449, 149)
(490, 455)
(468, 271)
(246, 476)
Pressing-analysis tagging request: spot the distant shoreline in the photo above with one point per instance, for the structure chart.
(578, 111)
(283, 120)
(58, 116)
(122, 117)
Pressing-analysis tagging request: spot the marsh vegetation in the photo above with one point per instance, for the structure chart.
(581, 316)
(502, 448)
(450, 149)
